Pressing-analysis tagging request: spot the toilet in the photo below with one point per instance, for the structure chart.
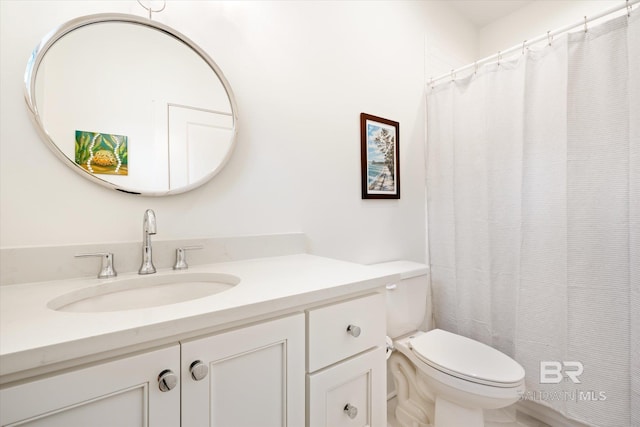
(441, 379)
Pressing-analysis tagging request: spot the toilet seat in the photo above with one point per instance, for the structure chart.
(466, 359)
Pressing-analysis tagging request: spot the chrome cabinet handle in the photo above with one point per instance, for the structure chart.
(106, 268)
(181, 257)
(350, 410)
(167, 380)
(354, 330)
(198, 370)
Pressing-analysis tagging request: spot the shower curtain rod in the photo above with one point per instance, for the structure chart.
(548, 35)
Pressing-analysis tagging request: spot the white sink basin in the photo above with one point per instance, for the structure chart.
(143, 292)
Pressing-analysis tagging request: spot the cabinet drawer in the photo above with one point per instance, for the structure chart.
(329, 339)
(350, 394)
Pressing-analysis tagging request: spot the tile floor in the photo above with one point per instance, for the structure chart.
(506, 417)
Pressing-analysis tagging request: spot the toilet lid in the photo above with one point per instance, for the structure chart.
(467, 359)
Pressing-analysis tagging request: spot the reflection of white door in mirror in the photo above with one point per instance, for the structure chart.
(197, 138)
(124, 75)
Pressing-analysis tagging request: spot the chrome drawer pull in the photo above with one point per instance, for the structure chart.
(351, 410)
(198, 370)
(167, 380)
(354, 330)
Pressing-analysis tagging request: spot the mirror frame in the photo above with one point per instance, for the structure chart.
(56, 34)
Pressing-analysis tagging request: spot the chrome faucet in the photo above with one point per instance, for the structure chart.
(148, 228)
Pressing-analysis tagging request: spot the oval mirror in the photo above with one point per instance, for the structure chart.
(131, 104)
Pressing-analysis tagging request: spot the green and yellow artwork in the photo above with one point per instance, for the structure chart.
(102, 153)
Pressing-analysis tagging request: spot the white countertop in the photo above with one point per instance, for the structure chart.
(33, 336)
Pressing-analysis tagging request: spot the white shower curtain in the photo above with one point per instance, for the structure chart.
(534, 216)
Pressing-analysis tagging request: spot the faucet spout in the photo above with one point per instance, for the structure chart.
(149, 227)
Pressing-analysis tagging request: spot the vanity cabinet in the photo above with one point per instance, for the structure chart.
(252, 376)
(319, 365)
(122, 393)
(346, 364)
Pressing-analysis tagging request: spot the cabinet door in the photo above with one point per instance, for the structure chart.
(254, 377)
(121, 393)
(349, 394)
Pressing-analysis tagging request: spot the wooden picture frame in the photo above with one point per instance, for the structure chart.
(380, 157)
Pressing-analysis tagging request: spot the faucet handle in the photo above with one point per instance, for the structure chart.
(181, 257)
(106, 269)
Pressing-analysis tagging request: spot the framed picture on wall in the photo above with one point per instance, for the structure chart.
(380, 157)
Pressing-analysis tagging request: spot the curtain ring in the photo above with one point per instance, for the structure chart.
(475, 68)
(524, 43)
(431, 82)
(453, 76)
(628, 9)
(549, 37)
(499, 57)
(585, 23)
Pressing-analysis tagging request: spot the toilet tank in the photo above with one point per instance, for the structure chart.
(408, 299)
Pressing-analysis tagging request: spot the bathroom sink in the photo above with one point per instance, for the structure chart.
(143, 292)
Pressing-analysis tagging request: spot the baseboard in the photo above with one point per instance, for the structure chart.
(547, 415)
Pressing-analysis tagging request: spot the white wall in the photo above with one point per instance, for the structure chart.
(302, 72)
(536, 19)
